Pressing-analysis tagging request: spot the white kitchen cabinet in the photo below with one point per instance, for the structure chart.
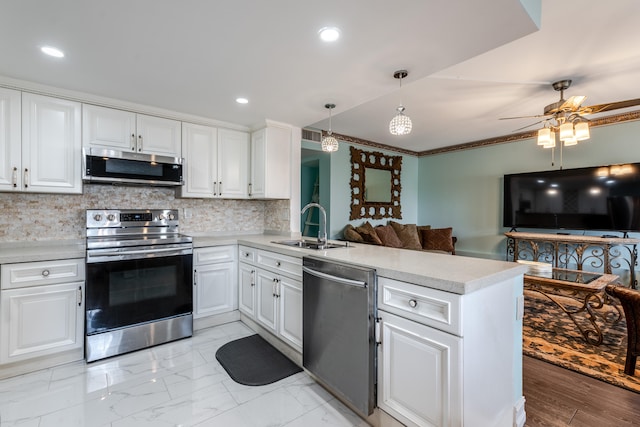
(126, 131)
(247, 289)
(10, 140)
(40, 143)
(271, 293)
(419, 373)
(216, 162)
(215, 283)
(271, 162)
(436, 352)
(42, 310)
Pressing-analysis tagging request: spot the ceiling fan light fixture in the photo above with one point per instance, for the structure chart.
(566, 131)
(400, 124)
(329, 143)
(544, 136)
(582, 131)
(552, 140)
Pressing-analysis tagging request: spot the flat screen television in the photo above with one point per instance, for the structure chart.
(603, 198)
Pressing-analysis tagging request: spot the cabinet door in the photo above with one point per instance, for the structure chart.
(108, 128)
(41, 320)
(265, 299)
(199, 147)
(247, 297)
(419, 373)
(215, 289)
(51, 144)
(233, 163)
(290, 311)
(258, 160)
(157, 135)
(10, 141)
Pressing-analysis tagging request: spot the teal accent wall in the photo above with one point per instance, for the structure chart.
(463, 189)
(315, 162)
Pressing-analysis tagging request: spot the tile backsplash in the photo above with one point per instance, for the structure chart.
(30, 217)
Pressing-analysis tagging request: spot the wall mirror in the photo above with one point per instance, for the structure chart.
(375, 185)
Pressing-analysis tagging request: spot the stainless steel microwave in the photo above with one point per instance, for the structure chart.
(121, 167)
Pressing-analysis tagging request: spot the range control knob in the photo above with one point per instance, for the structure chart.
(161, 217)
(97, 217)
(171, 217)
(111, 217)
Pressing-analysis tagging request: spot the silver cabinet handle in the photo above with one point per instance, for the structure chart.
(14, 177)
(139, 142)
(249, 189)
(79, 296)
(413, 303)
(215, 187)
(220, 188)
(195, 277)
(133, 142)
(253, 275)
(26, 177)
(45, 273)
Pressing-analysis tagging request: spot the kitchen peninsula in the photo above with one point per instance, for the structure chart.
(450, 326)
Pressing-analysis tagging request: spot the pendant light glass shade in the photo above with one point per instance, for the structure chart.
(401, 124)
(566, 131)
(329, 143)
(582, 131)
(552, 140)
(544, 136)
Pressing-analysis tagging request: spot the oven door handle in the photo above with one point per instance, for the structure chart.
(134, 254)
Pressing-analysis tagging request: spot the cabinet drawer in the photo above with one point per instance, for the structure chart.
(247, 254)
(280, 263)
(42, 273)
(431, 307)
(213, 255)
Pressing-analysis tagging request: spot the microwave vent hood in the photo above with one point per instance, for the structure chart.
(103, 166)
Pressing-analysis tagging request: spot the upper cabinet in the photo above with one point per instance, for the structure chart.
(126, 131)
(216, 162)
(43, 154)
(271, 162)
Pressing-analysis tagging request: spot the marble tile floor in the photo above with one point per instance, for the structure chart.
(174, 384)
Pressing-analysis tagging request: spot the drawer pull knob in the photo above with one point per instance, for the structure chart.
(45, 273)
(413, 303)
(278, 264)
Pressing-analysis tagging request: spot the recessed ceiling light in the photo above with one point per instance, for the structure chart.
(52, 51)
(329, 34)
(242, 100)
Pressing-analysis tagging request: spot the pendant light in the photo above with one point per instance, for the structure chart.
(329, 143)
(401, 123)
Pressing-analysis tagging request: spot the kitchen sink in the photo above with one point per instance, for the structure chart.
(311, 244)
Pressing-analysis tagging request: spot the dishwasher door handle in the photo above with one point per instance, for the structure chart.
(341, 280)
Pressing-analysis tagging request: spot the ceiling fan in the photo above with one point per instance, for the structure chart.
(570, 110)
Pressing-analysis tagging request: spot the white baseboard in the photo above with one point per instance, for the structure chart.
(519, 414)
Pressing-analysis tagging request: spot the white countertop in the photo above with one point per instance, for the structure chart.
(450, 273)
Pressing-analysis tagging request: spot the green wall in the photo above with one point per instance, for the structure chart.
(463, 189)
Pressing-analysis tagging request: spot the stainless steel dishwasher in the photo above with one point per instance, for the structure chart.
(338, 340)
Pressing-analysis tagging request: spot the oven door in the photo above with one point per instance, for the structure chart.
(126, 288)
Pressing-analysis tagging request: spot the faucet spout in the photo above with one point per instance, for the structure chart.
(322, 229)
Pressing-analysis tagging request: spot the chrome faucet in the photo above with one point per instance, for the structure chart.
(322, 228)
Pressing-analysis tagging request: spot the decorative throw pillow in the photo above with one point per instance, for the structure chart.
(420, 228)
(369, 234)
(351, 234)
(438, 239)
(388, 236)
(408, 234)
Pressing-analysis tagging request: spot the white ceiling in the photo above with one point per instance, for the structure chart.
(469, 62)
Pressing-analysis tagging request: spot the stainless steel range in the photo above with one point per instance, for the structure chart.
(139, 281)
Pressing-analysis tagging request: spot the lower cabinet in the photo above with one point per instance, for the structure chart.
(215, 289)
(271, 293)
(418, 373)
(42, 310)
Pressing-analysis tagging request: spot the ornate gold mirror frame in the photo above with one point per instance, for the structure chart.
(360, 207)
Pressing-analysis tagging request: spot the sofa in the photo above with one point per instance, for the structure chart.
(405, 236)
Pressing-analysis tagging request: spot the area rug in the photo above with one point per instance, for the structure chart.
(253, 361)
(550, 335)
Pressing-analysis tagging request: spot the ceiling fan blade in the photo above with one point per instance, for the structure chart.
(528, 126)
(524, 117)
(573, 103)
(600, 108)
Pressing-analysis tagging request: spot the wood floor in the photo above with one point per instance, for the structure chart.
(559, 397)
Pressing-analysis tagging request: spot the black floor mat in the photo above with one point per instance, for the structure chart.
(253, 361)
